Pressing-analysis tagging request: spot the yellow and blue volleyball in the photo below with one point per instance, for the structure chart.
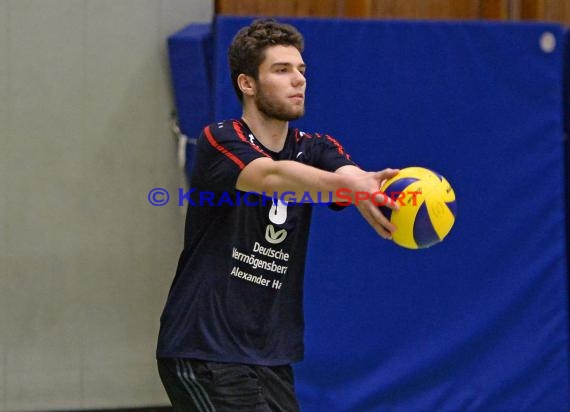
(427, 207)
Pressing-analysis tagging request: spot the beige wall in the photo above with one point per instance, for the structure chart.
(85, 260)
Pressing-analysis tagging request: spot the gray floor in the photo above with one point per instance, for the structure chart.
(151, 409)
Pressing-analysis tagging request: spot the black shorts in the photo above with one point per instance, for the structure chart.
(195, 385)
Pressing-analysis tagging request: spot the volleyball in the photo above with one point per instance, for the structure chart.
(427, 207)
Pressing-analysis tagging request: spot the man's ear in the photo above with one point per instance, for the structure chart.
(246, 84)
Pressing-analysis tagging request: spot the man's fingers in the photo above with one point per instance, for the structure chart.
(386, 174)
(369, 202)
(383, 221)
(378, 221)
(382, 199)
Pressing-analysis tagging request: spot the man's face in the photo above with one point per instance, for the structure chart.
(281, 84)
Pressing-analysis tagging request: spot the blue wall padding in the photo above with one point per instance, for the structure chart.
(190, 54)
(478, 322)
(566, 86)
(566, 90)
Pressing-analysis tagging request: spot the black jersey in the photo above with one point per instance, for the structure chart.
(238, 291)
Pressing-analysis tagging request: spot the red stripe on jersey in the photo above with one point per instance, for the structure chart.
(221, 148)
(239, 131)
(337, 144)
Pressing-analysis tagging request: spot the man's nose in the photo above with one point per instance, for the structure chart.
(299, 79)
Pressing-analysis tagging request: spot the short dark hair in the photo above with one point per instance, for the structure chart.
(247, 51)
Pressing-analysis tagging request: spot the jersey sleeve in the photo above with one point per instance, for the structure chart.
(222, 153)
(327, 153)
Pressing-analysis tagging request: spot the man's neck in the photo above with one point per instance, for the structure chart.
(272, 133)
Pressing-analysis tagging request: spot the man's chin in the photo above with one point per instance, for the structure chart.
(289, 116)
(283, 115)
(297, 115)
